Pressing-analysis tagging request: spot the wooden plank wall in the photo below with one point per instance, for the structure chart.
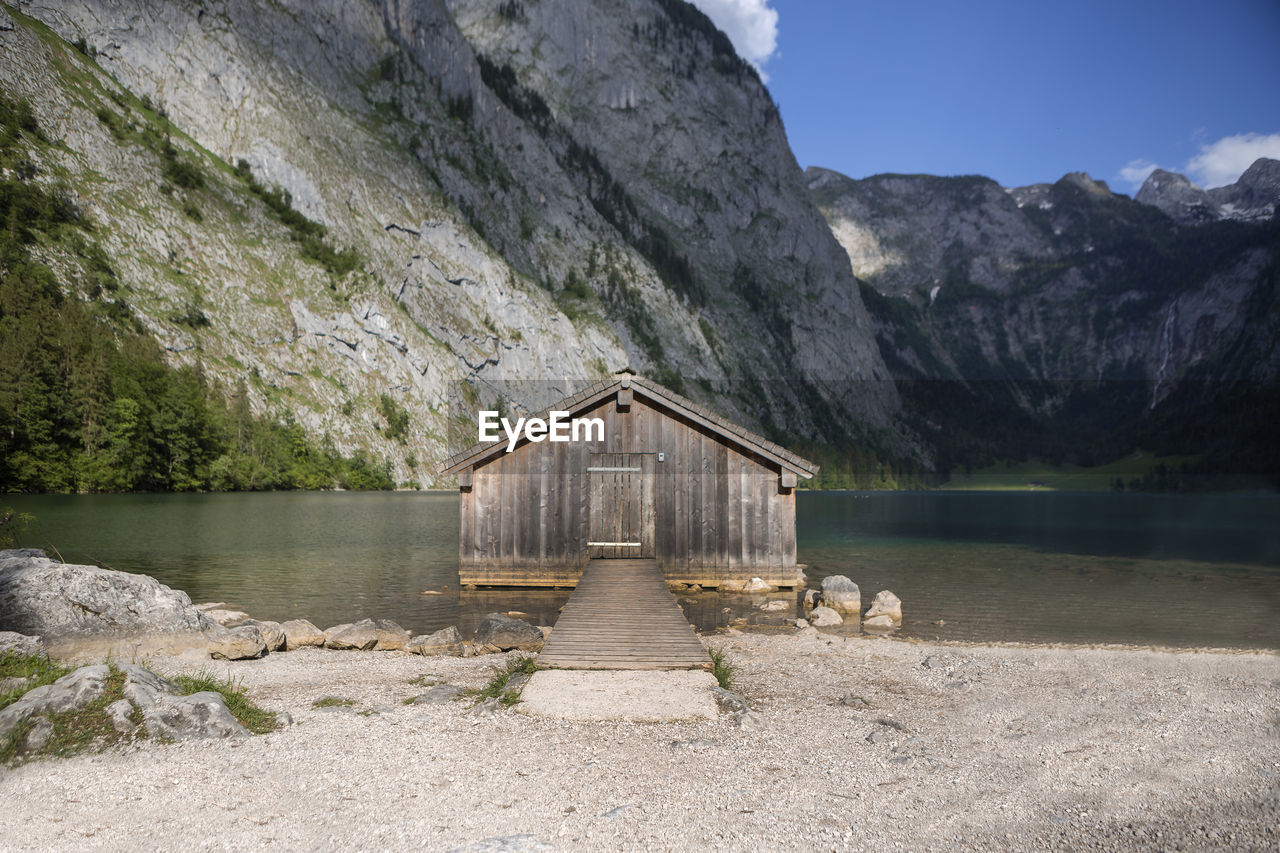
(718, 513)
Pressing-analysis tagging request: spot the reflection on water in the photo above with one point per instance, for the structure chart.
(1170, 570)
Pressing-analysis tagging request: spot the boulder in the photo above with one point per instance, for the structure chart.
(841, 594)
(506, 633)
(226, 618)
(825, 617)
(21, 644)
(64, 602)
(732, 585)
(775, 606)
(169, 715)
(446, 641)
(242, 643)
(756, 585)
(879, 623)
(391, 637)
(272, 633)
(885, 604)
(299, 633)
(358, 636)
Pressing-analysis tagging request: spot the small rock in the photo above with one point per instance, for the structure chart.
(360, 636)
(6, 22)
(727, 700)
(694, 587)
(848, 700)
(893, 724)
(517, 614)
(546, 631)
(756, 585)
(811, 598)
(13, 683)
(284, 718)
(841, 594)
(932, 662)
(506, 633)
(485, 709)
(431, 592)
(21, 644)
(299, 633)
(774, 606)
(876, 736)
(801, 623)
(732, 585)
(226, 618)
(747, 719)
(213, 605)
(439, 695)
(879, 623)
(242, 643)
(825, 617)
(885, 604)
(446, 641)
(272, 633)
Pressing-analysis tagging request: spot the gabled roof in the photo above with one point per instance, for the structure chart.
(664, 397)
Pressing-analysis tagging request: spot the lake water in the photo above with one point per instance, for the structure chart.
(1176, 570)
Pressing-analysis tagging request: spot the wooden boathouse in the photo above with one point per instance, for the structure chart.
(667, 480)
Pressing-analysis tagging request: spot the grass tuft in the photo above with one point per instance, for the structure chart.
(333, 702)
(497, 687)
(257, 720)
(722, 669)
(14, 665)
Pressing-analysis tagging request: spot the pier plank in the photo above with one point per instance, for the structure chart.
(622, 616)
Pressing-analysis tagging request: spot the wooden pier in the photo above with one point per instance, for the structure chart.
(622, 616)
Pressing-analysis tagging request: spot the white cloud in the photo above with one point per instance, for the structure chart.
(750, 24)
(1135, 172)
(1220, 163)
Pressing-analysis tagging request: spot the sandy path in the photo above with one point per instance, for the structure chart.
(1004, 747)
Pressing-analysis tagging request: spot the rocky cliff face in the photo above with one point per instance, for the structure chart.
(1252, 198)
(531, 195)
(1021, 316)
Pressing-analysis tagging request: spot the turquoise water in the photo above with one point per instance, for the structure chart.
(1180, 570)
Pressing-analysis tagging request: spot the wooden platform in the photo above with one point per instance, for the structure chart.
(622, 616)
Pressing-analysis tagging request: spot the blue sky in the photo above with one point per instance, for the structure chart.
(1022, 92)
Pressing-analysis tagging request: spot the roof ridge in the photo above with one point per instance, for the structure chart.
(663, 394)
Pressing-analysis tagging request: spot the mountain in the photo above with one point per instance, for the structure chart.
(1252, 198)
(403, 208)
(1064, 321)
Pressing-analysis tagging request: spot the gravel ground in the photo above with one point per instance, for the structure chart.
(971, 747)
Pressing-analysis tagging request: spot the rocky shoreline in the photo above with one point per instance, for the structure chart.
(834, 741)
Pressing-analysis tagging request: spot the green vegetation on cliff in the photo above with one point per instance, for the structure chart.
(87, 402)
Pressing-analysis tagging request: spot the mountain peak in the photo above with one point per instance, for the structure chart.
(1252, 198)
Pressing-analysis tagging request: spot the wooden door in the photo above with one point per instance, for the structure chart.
(621, 496)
